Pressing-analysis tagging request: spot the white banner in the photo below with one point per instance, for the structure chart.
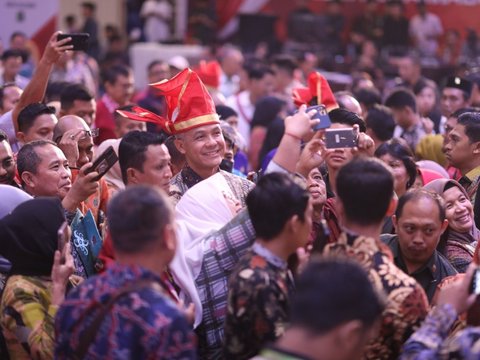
(31, 17)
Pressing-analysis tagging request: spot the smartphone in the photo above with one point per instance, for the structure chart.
(341, 138)
(103, 163)
(62, 239)
(475, 284)
(321, 115)
(79, 41)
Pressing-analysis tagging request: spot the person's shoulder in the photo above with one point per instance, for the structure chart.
(237, 179)
(445, 267)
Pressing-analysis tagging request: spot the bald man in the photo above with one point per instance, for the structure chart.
(75, 139)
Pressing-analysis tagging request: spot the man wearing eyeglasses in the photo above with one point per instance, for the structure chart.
(74, 137)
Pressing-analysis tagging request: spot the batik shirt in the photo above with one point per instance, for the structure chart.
(258, 303)
(224, 248)
(27, 317)
(470, 182)
(186, 178)
(142, 324)
(406, 303)
(432, 341)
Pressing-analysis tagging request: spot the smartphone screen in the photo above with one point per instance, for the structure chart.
(79, 41)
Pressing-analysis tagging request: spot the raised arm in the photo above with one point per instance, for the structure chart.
(35, 90)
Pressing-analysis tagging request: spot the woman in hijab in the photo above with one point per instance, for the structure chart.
(460, 239)
(38, 277)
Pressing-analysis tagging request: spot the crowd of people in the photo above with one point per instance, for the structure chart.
(206, 216)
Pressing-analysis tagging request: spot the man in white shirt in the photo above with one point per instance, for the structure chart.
(260, 83)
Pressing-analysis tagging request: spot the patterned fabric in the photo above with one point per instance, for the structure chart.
(428, 276)
(186, 178)
(258, 306)
(144, 324)
(470, 183)
(27, 317)
(406, 301)
(432, 341)
(460, 253)
(224, 249)
(412, 136)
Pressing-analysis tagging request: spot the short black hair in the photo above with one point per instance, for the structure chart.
(29, 114)
(456, 114)
(27, 158)
(401, 98)
(11, 53)
(154, 63)
(132, 148)
(417, 194)
(399, 150)
(2, 91)
(331, 292)
(274, 200)
(72, 93)
(137, 217)
(256, 69)
(55, 90)
(368, 97)
(343, 116)
(17, 33)
(471, 122)
(380, 120)
(89, 5)
(365, 187)
(111, 74)
(285, 62)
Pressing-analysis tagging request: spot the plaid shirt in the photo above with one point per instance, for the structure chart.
(224, 249)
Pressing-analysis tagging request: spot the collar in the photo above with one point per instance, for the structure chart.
(430, 265)
(190, 177)
(269, 256)
(472, 174)
(111, 104)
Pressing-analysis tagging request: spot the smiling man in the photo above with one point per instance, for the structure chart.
(192, 119)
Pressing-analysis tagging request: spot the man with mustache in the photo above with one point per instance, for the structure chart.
(420, 221)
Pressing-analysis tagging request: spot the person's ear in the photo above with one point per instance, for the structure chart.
(170, 238)
(395, 221)
(132, 178)
(392, 206)
(21, 137)
(476, 148)
(28, 179)
(180, 145)
(444, 225)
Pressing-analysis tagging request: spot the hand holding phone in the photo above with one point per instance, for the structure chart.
(79, 41)
(341, 138)
(103, 163)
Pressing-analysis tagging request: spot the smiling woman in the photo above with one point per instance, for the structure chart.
(458, 243)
